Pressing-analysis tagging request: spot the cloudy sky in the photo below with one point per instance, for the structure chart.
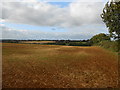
(39, 19)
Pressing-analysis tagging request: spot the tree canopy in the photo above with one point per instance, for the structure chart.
(98, 38)
(111, 17)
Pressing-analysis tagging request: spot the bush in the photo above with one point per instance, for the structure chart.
(98, 38)
(111, 45)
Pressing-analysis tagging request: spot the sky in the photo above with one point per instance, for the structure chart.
(45, 19)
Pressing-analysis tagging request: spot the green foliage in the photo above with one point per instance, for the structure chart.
(70, 43)
(111, 17)
(110, 45)
(79, 44)
(98, 38)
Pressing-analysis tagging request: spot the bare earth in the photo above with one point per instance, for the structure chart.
(50, 66)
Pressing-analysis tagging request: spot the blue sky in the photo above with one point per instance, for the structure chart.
(32, 27)
(52, 20)
(60, 4)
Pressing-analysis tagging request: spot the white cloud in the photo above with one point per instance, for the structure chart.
(57, 0)
(10, 33)
(81, 19)
(86, 13)
(78, 33)
(45, 14)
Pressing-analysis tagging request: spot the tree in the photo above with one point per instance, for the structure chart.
(111, 17)
(98, 38)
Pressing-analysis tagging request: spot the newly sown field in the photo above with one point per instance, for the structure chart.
(50, 66)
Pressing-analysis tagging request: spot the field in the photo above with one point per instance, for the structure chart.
(51, 66)
(37, 42)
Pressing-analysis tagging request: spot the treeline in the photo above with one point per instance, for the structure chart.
(71, 42)
(10, 41)
(102, 40)
(18, 41)
(56, 42)
(13, 40)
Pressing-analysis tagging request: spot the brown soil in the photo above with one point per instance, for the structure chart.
(46, 66)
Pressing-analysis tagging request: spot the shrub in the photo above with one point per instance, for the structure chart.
(111, 45)
(98, 38)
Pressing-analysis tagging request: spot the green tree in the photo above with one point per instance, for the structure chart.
(111, 17)
(98, 38)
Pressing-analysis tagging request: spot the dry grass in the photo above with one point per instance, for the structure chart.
(50, 66)
(38, 42)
